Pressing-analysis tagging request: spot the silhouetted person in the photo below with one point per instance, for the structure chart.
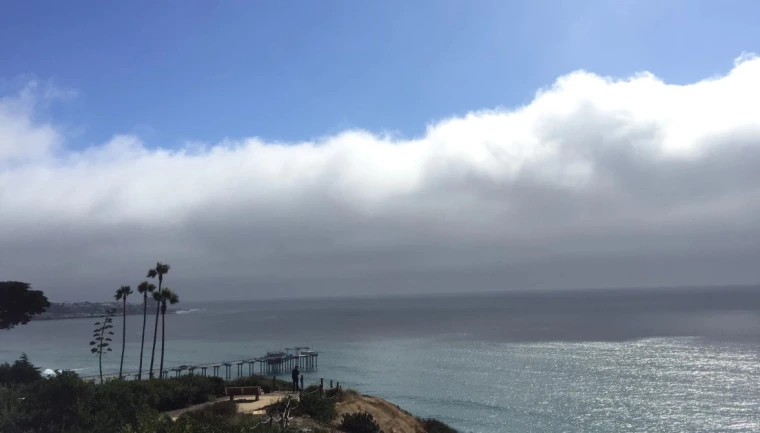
(295, 374)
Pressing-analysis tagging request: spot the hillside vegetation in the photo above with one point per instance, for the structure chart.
(66, 403)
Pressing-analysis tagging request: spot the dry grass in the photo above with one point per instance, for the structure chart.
(390, 418)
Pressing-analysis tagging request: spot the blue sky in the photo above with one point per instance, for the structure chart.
(176, 71)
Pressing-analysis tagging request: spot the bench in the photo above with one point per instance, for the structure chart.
(232, 391)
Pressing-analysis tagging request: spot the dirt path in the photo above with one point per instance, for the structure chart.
(245, 405)
(257, 407)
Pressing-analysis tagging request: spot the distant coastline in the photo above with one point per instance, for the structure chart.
(84, 310)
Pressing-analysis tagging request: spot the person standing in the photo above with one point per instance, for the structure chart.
(295, 375)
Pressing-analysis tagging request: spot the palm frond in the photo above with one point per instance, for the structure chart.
(162, 268)
(146, 287)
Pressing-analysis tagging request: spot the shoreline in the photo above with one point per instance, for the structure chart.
(93, 316)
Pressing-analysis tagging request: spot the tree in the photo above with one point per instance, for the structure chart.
(121, 295)
(159, 271)
(18, 303)
(21, 371)
(101, 339)
(163, 297)
(144, 288)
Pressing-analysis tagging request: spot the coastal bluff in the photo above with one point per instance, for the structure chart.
(390, 417)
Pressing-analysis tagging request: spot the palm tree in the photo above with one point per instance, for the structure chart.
(144, 288)
(121, 295)
(159, 271)
(163, 297)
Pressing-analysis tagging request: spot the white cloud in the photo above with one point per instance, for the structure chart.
(592, 168)
(20, 136)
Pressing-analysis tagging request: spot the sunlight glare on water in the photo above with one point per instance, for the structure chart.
(484, 365)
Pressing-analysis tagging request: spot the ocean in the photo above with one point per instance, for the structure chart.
(670, 360)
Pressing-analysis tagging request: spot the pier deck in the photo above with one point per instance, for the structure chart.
(272, 363)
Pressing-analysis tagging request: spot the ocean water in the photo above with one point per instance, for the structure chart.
(583, 361)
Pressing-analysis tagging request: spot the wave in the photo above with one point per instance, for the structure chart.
(52, 372)
(192, 310)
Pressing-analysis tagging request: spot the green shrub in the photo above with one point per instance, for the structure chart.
(311, 389)
(264, 382)
(341, 395)
(215, 419)
(220, 418)
(222, 408)
(65, 402)
(150, 422)
(361, 422)
(61, 403)
(117, 403)
(11, 414)
(434, 426)
(334, 393)
(176, 393)
(279, 406)
(319, 408)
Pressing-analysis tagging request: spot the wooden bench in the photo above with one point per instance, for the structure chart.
(232, 391)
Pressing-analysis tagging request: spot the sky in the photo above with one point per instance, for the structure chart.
(293, 149)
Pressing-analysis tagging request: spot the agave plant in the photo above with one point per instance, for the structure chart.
(101, 338)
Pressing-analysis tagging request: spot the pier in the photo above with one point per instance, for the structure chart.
(271, 364)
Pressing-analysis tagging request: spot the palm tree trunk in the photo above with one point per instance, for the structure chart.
(142, 344)
(163, 334)
(155, 330)
(123, 337)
